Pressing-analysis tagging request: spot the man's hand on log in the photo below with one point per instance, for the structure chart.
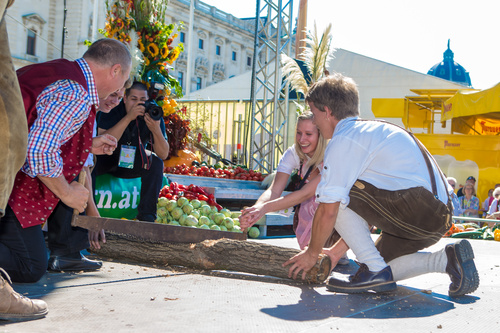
(302, 261)
(95, 237)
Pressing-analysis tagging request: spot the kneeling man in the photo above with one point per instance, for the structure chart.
(377, 174)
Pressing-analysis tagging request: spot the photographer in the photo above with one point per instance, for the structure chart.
(142, 145)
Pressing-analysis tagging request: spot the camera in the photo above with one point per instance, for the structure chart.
(152, 108)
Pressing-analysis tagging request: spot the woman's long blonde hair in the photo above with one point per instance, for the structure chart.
(319, 153)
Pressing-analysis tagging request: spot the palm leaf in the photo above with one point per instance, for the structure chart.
(293, 74)
(318, 54)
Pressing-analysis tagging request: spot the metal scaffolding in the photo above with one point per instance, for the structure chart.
(269, 93)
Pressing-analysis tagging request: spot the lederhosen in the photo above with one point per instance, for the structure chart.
(410, 219)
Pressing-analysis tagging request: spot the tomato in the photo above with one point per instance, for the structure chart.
(169, 195)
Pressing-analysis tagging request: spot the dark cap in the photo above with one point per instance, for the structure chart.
(471, 178)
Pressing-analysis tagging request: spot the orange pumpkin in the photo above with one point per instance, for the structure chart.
(185, 156)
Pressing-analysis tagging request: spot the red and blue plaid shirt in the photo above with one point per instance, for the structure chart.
(62, 107)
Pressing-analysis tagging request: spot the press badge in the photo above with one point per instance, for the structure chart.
(127, 157)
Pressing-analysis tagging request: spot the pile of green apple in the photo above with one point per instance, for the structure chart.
(196, 213)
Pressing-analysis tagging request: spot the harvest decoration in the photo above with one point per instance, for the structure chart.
(142, 22)
(177, 128)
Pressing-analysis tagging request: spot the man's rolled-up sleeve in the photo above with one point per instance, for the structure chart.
(344, 162)
(61, 112)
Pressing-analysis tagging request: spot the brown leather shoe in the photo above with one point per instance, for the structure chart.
(14, 306)
(461, 268)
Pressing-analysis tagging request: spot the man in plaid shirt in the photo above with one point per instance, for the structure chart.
(60, 98)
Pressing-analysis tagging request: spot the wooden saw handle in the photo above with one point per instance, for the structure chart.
(81, 180)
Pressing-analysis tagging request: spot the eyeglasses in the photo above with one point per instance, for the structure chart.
(452, 185)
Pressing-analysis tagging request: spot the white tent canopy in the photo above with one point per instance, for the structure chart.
(234, 89)
(375, 79)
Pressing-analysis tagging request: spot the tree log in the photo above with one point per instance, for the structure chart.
(222, 254)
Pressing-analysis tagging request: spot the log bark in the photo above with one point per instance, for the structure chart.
(222, 254)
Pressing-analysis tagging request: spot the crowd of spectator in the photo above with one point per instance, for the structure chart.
(466, 202)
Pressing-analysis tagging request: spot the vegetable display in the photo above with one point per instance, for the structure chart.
(192, 192)
(473, 231)
(192, 206)
(214, 172)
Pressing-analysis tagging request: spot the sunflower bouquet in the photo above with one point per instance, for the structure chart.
(141, 23)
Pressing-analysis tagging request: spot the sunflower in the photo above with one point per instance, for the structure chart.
(141, 46)
(153, 49)
(164, 52)
(146, 61)
(174, 55)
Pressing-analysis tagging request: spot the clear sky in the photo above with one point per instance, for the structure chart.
(407, 33)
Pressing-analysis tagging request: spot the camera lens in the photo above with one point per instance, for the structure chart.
(153, 109)
(156, 112)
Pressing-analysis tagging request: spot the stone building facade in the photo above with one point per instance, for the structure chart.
(222, 45)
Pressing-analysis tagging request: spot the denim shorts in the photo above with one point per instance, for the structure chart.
(410, 220)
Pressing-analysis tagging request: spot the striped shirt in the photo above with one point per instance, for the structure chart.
(62, 108)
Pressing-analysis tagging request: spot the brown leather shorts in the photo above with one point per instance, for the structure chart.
(410, 219)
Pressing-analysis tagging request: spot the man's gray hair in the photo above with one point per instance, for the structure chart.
(109, 52)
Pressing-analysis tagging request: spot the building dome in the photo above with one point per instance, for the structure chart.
(450, 70)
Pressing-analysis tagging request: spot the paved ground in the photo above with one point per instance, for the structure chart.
(132, 298)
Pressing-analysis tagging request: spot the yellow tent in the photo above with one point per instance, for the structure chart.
(474, 112)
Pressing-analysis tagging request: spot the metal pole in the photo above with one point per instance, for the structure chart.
(253, 92)
(238, 141)
(300, 43)
(63, 30)
(95, 16)
(190, 48)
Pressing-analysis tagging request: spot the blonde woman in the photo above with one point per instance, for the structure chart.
(469, 202)
(305, 156)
